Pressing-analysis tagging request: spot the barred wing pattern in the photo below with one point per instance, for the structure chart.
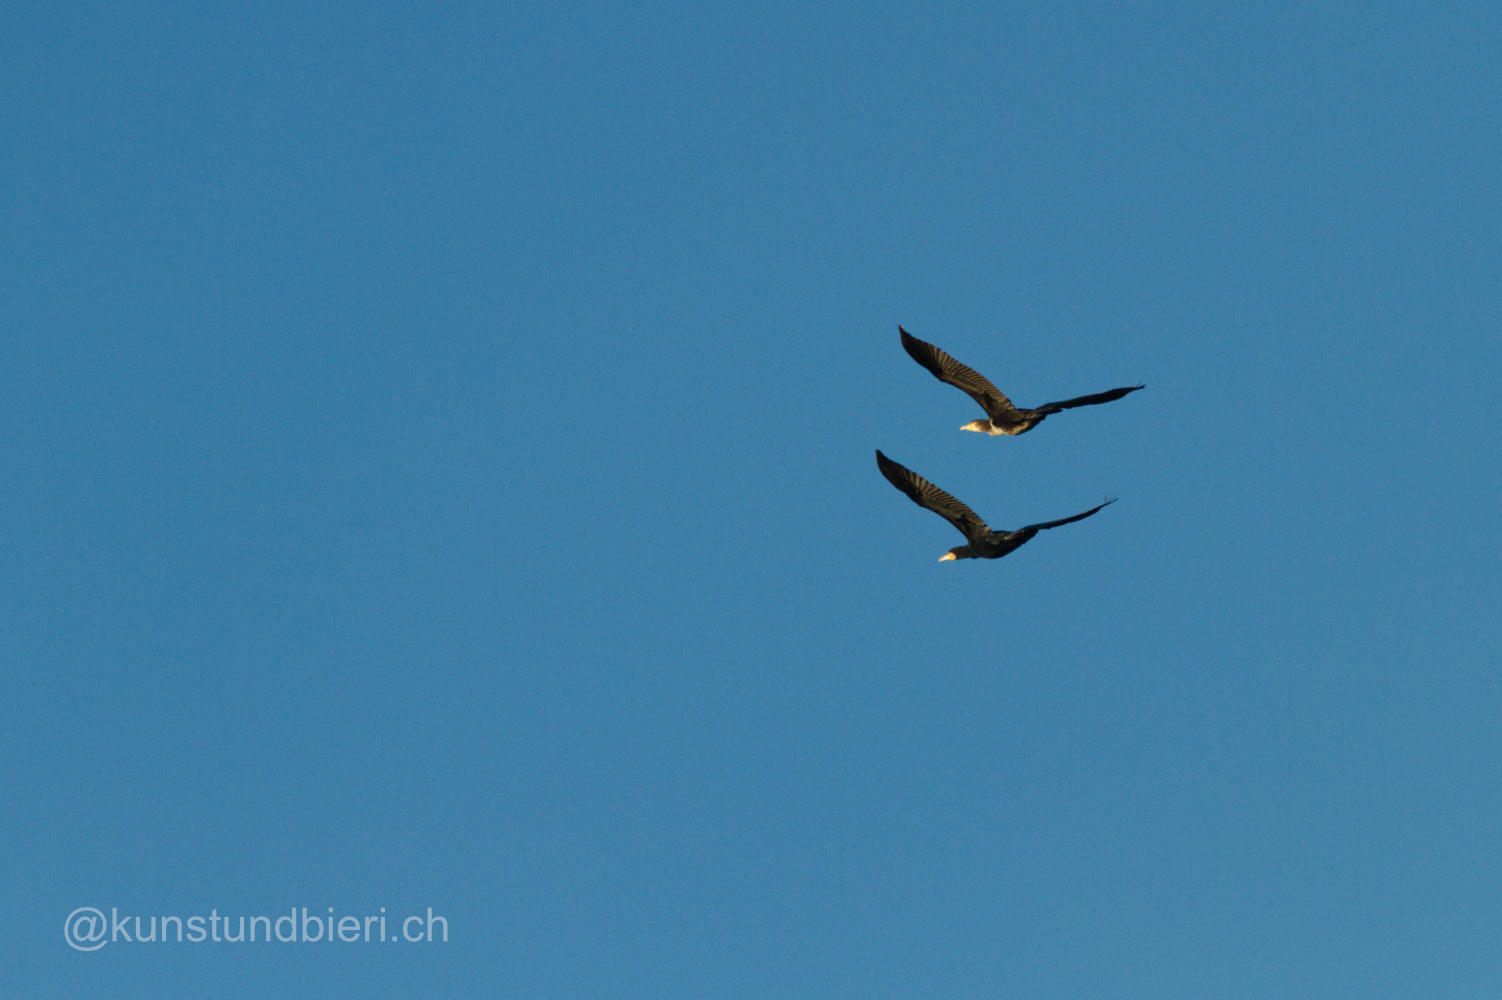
(946, 369)
(925, 494)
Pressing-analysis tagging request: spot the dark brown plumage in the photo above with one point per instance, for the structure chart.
(984, 543)
(1004, 417)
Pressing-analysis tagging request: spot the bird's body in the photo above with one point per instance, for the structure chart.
(984, 543)
(995, 429)
(1004, 418)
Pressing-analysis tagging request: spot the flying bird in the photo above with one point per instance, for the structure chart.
(1005, 418)
(984, 543)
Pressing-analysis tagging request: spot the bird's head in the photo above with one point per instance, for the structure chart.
(979, 426)
(963, 552)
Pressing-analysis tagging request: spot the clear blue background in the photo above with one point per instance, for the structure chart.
(437, 448)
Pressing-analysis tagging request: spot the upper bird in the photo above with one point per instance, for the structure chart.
(984, 543)
(1005, 418)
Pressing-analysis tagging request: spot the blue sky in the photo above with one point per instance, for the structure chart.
(440, 474)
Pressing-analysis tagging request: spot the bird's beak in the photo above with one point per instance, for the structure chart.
(946, 557)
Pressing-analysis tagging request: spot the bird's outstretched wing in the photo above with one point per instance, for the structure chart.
(926, 494)
(1064, 520)
(963, 377)
(1099, 397)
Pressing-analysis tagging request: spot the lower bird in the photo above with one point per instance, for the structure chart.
(984, 543)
